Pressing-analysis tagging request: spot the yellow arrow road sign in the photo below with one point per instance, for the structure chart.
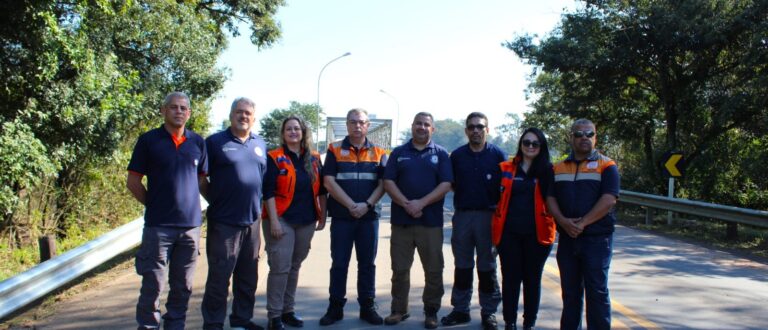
(671, 165)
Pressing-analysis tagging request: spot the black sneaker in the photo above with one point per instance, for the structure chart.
(249, 326)
(489, 322)
(291, 319)
(455, 318)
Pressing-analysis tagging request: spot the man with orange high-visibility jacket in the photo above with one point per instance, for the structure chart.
(585, 190)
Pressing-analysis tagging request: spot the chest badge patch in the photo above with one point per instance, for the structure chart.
(344, 152)
(195, 162)
(488, 176)
(592, 165)
(434, 159)
(258, 151)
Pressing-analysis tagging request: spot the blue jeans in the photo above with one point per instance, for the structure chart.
(364, 235)
(164, 249)
(584, 263)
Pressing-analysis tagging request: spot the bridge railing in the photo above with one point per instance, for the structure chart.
(708, 210)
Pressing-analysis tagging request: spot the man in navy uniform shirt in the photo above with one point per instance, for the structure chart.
(174, 161)
(586, 189)
(237, 163)
(352, 174)
(417, 177)
(476, 193)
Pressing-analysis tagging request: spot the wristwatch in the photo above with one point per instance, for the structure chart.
(370, 206)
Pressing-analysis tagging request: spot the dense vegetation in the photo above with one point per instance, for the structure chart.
(80, 80)
(656, 76)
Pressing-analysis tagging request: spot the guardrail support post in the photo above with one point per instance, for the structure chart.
(671, 194)
(648, 216)
(47, 247)
(732, 231)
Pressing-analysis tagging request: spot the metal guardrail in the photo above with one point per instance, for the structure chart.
(22, 289)
(709, 210)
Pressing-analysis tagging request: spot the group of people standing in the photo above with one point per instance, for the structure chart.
(512, 208)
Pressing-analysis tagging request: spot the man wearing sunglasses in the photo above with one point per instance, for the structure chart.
(476, 192)
(586, 189)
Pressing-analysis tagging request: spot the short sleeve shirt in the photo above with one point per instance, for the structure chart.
(417, 173)
(580, 184)
(173, 193)
(477, 188)
(236, 171)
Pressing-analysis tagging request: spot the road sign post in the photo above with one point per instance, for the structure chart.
(673, 164)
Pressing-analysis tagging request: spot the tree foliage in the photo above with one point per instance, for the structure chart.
(656, 76)
(448, 133)
(81, 77)
(270, 124)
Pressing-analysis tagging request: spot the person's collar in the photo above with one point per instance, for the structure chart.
(594, 155)
(485, 147)
(429, 145)
(185, 133)
(347, 144)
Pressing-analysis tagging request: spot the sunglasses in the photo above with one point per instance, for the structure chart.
(474, 127)
(531, 144)
(581, 134)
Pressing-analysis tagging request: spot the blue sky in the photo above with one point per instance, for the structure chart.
(444, 57)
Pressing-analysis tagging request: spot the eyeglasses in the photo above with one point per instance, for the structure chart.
(581, 134)
(531, 144)
(357, 122)
(474, 127)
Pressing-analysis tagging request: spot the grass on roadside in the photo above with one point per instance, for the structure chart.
(751, 241)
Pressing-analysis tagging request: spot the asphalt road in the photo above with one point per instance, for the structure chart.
(655, 283)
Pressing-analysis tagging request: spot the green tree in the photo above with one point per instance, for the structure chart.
(81, 77)
(655, 76)
(449, 134)
(270, 124)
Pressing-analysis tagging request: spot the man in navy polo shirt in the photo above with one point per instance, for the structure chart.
(476, 193)
(174, 161)
(417, 177)
(237, 163)
(586, 189)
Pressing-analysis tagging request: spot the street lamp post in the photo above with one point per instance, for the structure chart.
(397, 122)
(317, 128)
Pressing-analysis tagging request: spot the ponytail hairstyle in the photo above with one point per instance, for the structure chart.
(305, 143)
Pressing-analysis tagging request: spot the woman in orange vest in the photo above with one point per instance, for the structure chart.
(295, 205)
(521, 229)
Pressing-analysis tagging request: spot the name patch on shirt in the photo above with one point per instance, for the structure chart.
(225, 149)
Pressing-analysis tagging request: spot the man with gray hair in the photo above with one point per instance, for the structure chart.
(175, 162)
(353, 176)
(237, 159)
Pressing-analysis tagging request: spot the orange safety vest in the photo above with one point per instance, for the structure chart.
(286, 184)
(545, 224)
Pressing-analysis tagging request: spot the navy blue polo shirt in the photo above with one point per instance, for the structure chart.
(477, 188)
(359, 188)
(302, 209)
(173, 193)
(580, 184)
(236, 171)
(417, 173)
(521, 212)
